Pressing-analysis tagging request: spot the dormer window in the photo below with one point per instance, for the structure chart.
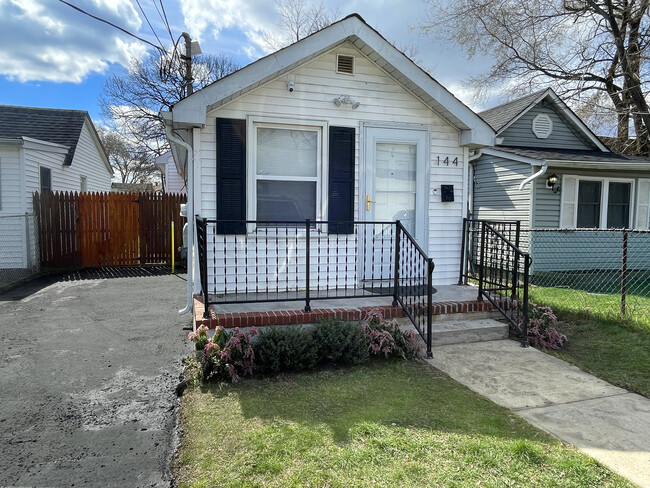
(345, 64)
(542, 126)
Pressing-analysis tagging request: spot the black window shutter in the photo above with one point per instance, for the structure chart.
(341, 181)
(231, 175)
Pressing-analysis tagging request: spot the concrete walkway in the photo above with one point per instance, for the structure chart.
(608, 423)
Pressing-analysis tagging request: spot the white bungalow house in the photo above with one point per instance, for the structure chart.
(338, 127)
(43, 149)
(173, 176)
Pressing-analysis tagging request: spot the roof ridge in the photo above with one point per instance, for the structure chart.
(516, 100)
(22, 107)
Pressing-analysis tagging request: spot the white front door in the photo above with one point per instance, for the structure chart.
(395, 188)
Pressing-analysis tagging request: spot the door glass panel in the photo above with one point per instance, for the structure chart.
(395, 185)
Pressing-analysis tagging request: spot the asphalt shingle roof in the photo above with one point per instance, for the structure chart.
(498, 117)
(46, 124)
(574, 155)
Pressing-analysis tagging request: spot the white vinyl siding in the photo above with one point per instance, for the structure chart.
(174, 183)
(10, 196)
(88, 162)
(382, 100)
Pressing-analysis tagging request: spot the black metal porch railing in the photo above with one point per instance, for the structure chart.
(272, 261)
(491, 256)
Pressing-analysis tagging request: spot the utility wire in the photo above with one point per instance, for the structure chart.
(164, 18)
(149, 23)
(113, 25)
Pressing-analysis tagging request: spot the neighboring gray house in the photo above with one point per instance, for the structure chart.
(43, 149)
(550, 171)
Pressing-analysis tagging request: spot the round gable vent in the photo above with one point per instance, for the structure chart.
(542, 126)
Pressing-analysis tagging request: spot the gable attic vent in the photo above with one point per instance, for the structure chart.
(542, 126)
(345, 64)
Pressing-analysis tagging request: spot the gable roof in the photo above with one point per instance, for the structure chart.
(503, 116)
(192, 110)
(57, 126)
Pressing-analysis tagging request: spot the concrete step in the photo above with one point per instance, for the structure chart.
(465, 331)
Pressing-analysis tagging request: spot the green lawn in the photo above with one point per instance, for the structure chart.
(393, 423)
(601, 341)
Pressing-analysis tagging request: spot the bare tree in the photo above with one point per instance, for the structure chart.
(298, 19)
(592, 52)
(131, 163)
(131, 102)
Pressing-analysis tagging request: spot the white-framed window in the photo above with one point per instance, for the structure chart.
(597, 203)
(288, 173)
(83, 183)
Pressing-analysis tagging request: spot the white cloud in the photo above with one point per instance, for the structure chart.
(45, 40)
(250, 17)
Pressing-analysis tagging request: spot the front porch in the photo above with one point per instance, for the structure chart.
(450, 299)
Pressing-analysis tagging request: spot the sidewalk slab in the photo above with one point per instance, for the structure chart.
(614, 430)
(606, 422)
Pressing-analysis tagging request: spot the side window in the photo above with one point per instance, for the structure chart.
(589, 194)
(83, 185)
(618, 205)
(46, 179)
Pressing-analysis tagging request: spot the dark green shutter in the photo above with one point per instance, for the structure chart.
(341, 181)
(231, 175)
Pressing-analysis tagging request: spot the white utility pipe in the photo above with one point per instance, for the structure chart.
(533, 177)
(190, 218)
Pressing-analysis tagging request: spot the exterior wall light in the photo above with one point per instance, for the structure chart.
(551, 182)
(346, 99)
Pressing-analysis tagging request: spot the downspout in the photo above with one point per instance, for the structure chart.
(533, 177)
(190, 216)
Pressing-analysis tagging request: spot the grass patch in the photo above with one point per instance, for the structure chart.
(391, 423)
(601, 342)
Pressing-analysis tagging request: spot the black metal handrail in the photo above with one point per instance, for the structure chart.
(500, 267)
(272, 261)
(413, 283)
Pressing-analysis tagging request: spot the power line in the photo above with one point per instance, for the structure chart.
(149, 23)
(163, 51)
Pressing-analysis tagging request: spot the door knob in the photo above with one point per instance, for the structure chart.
(368, 202)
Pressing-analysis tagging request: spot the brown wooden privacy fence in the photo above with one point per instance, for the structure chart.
(107, 229)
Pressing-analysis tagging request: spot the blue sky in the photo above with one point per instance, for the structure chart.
(54, 56)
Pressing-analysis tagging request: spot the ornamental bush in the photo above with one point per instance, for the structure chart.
(227, 356)
(278, 350)
(341, 342)
(385, 338)
(541, 330)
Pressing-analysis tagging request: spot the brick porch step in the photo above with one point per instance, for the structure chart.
(299, 316)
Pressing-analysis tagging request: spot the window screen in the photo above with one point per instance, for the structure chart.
(618, 205)
(589, 204)
(287, 174)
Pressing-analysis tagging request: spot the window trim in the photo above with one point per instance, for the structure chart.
(322, 166)
(83, 183)
(604, 198)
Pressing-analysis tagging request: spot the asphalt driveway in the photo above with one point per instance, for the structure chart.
(88, 370)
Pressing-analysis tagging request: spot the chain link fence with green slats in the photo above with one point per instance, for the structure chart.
(19, 251)
(602, 272)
